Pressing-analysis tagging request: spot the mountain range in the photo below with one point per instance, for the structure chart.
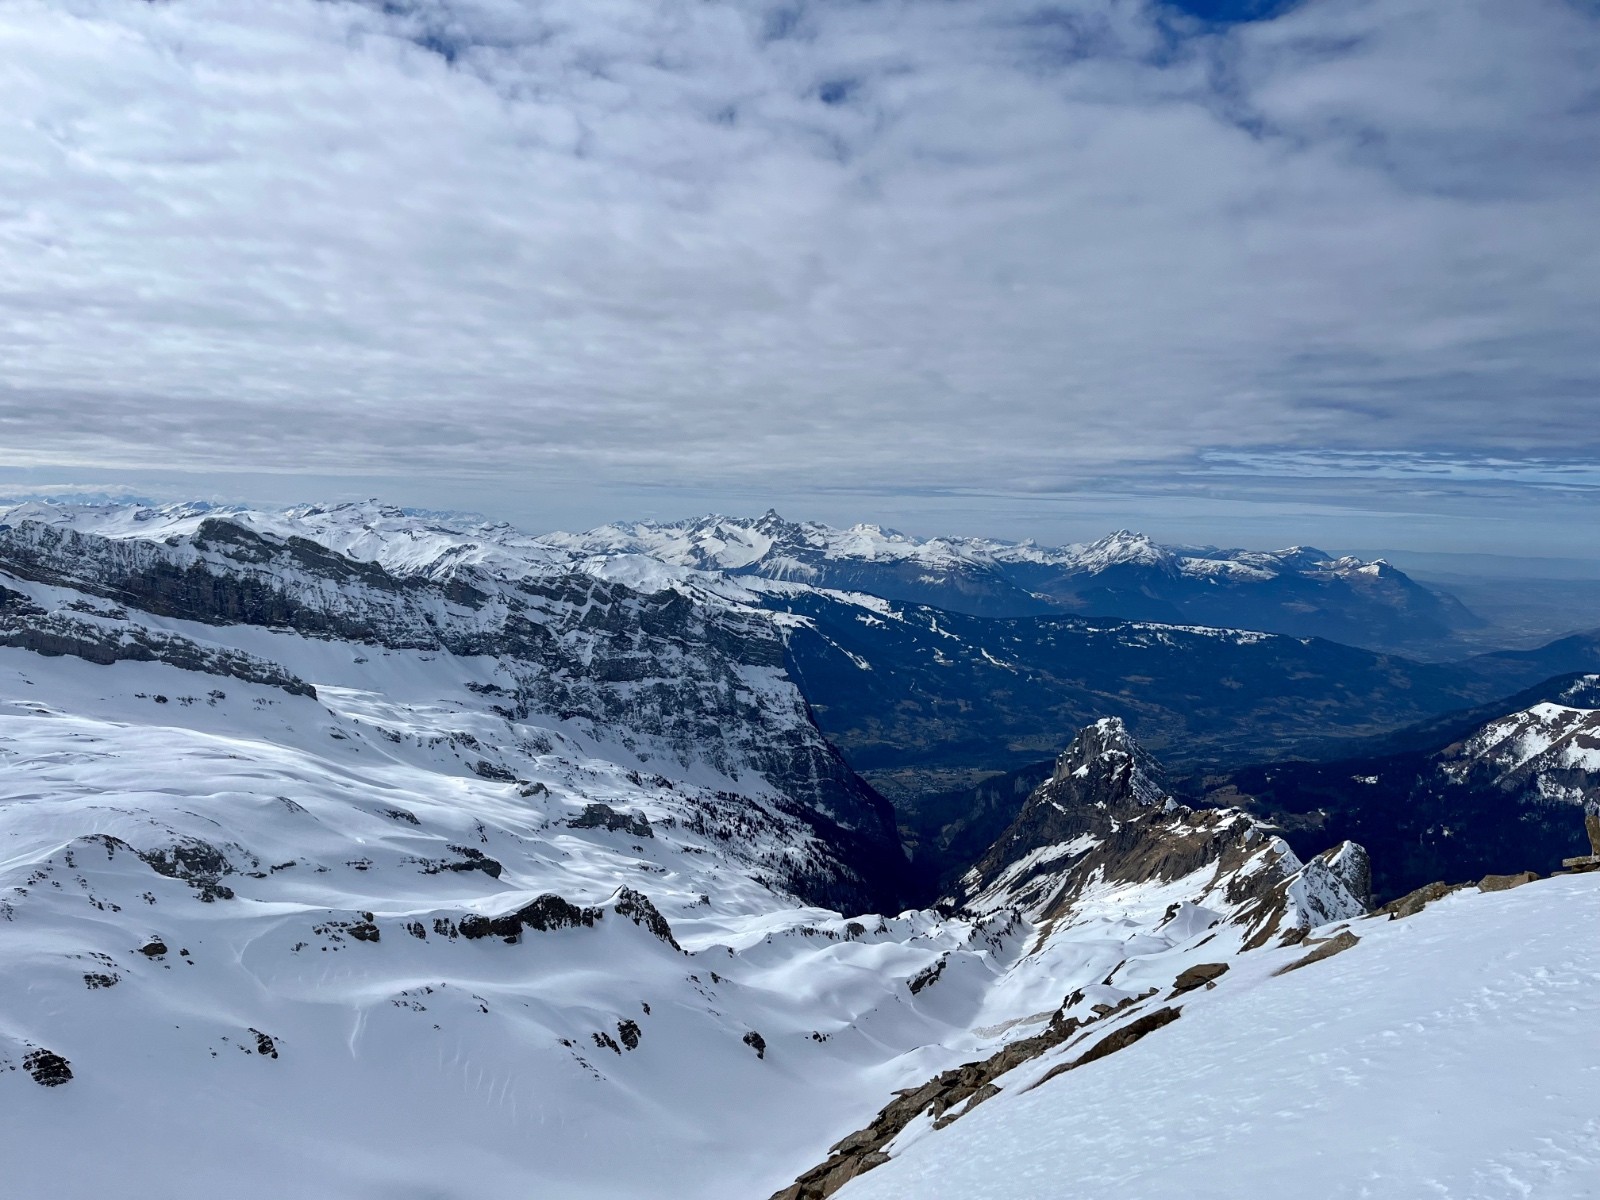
(1300, 591)
(364, 852)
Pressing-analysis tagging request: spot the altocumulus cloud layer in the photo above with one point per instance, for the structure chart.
(999, 246)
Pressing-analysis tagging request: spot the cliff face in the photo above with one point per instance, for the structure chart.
(675, 682)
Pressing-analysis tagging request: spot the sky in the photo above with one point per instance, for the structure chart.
(1233, 271)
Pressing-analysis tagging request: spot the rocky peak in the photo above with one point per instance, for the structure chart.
(1104, 764)
(773, 525)
(1104, 819)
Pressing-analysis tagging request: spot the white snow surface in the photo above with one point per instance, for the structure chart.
(1548, 735)
(426, 1065)
(418, 1066)
(1446, 1055)
(438, 1066)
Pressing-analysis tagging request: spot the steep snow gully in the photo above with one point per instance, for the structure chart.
(354, 853)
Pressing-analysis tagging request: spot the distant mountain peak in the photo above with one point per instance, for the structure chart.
(1106, 760)
(1124, 546)
(1104, 817)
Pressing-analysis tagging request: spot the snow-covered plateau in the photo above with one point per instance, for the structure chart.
(352, 853)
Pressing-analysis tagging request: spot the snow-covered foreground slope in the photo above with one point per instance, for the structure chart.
(383, 943)
(257, 926)
(1446, 1055)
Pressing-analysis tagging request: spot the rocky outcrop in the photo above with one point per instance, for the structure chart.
(957, 1090)
(545, 913)
(952, 1094)
(1414, 902)
(1504, 883)
(47, 1067)
(636, 907)
(1338, 944)
(1104, 817)
(603, 816)
(1199, 975)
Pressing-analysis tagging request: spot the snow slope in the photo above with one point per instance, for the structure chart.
(184, 869)
(268, 931)
(1556, 747)
(670, 678)
(1446, 1055)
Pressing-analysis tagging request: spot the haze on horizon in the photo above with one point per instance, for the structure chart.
(1239, 273)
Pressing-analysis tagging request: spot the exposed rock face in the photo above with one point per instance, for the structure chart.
(48, 1068)
(943, 1097)
(1198, 976)
(952, 1094)
(1504, 883)
(603, 816)
(1105, 818)
(545, 913)
(1119, 1039)
(637, 908)
(1338, 944)
(1414, 902)
(704, 683)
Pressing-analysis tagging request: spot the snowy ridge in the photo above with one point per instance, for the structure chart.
(1300, 591)
(392, 854)
(771, 546)
(1555, 748)
(383, 908)
(384, 912)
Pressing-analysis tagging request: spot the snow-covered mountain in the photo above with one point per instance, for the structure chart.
(1299, 591)
(304, 943)
(383, 941)
(898, 687)
(362, 853)
(1258, 1058)
(1105, 820)
(655, 679)
(1500, 790)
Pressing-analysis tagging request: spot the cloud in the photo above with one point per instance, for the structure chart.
(1009, 246)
